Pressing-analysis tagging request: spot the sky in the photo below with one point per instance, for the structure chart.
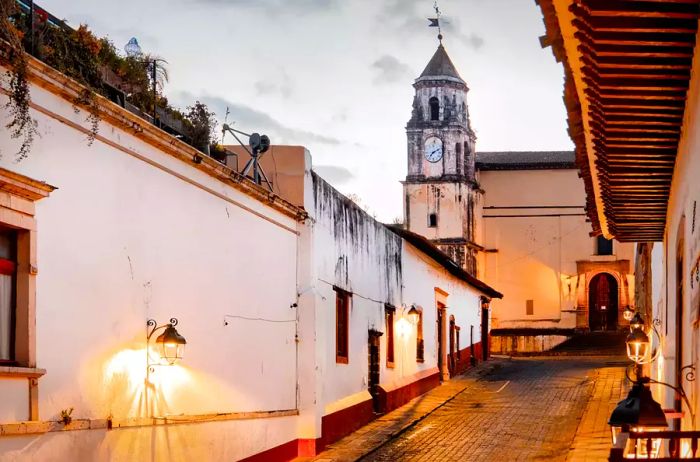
(336, 75)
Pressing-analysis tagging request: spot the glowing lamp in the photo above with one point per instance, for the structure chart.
(171, 344)
(637, 322)
(413, 315)
(637, 346)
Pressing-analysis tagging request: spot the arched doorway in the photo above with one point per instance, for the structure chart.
(602, 302)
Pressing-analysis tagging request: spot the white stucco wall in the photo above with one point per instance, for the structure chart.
(535, 257)
(422, 277)
(682, 235)
(133, 233)
(356, 253)
(123, 240)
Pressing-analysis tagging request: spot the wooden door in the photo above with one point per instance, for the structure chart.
(441, 340)
(373, 375)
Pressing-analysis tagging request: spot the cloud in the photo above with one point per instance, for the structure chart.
(277, 7)
(334, 174)
(390, 70)
(340, 116)
(452, 28)
(252, 120)
(403, 17)
(282, 86)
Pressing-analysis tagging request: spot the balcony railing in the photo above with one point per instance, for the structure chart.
(656, 445)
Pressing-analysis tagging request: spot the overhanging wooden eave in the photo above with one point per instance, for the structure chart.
(627, 66)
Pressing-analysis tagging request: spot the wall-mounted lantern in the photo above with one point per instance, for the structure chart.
(637, 346)
(170, 344)
(413, 315)
(638, 412)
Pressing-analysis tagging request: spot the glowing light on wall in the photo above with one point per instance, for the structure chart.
(403, 327)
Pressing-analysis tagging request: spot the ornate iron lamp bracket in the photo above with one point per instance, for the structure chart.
(152, 327)
(690, 375)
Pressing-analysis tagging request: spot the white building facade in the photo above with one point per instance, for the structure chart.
(280, 301)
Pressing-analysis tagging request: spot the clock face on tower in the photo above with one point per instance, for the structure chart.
(433, 149)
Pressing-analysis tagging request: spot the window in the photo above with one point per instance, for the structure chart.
(432, 220)
(8, 284)
(342, 321)
(420, 345)
(389, 312)
(18, 195)
(604, 246)
(529, 307)
(434, 108)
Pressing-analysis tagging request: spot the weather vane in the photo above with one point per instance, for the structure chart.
(435, 22)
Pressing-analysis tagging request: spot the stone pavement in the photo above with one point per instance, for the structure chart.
(505, 410)
(383, 429)
(592, 440)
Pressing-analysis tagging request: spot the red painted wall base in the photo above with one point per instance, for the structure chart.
(338, 424)
(390, 400)
(466, 358)
(282, 453)
(341, 423)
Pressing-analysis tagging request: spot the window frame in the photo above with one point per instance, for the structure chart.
(389, 322)
(529, 307)
(18, 195)
(432, 223)
(434, 107)
(8, 267)
(343, 298)
(608, 242)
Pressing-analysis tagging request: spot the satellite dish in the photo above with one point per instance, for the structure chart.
(264, 143)
(258, 145)
(254, 141)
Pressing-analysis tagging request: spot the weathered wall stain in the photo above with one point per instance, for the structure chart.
(359, 239)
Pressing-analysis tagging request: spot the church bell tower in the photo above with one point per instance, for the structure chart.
(441, 195)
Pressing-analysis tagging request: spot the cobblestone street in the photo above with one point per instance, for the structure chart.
(552, 409)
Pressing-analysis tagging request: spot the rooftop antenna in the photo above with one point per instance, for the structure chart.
(435, 22)
(223, 132)
(259, 144)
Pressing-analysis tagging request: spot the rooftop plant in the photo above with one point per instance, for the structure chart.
(96, 64)
(21, 124)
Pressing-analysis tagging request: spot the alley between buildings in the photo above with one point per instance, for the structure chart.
(523, 409)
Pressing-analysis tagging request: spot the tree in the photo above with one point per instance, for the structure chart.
(200, 126)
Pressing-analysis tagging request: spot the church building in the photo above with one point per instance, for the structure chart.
(513, 219)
